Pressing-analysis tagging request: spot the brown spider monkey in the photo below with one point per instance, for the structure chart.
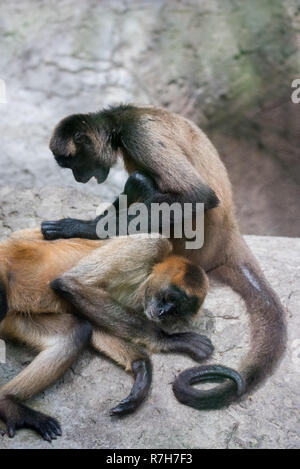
(170, 159)
(135, 284)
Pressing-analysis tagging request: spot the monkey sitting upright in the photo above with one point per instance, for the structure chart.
(126, 277)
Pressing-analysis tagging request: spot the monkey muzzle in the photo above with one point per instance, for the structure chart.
(157, 311)
(85, 174)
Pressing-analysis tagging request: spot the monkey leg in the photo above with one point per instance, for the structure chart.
(132, 358)
(99, 308)
(58, 352)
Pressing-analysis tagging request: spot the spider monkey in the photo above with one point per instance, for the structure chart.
(135, 284)
(169, 159)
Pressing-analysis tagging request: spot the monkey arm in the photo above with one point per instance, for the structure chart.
(138, 188)
(143, 189)
(87, 229)
(97, 306)
(73, 227)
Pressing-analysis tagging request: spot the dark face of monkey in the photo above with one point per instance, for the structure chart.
(171, 302)
(75, 145)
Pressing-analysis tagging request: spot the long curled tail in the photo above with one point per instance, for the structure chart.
(268, 337)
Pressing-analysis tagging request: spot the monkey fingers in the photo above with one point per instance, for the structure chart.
(198, 347)
(69, 228)
(16, 416)
(143, 376)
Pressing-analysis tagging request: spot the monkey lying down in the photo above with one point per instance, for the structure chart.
(129, 276)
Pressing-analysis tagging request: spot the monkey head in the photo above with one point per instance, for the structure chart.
(176, 289)
(79, 144)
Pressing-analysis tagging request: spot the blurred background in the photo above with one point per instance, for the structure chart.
(228, 65)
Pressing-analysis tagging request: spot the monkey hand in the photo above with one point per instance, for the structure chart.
(139, 187)
(69, 228)
(16, 416)
(198, 347)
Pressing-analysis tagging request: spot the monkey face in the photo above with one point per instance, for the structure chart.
(75, 146)
(171, 302)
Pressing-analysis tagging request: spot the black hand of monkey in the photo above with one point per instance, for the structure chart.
(139, 187)
(16, 416)
(198, 347)
(69, 228)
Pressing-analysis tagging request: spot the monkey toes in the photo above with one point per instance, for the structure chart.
(17, 416)
(125, 407)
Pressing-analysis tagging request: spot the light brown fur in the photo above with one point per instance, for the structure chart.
(40, 318)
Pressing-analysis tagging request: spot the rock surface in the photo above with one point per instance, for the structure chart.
(227, 65)
(81, 399)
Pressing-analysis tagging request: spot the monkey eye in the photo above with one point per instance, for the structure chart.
(81, 138)
(78, 137)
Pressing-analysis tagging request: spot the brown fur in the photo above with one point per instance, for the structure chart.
(41, 319)
(177, 270)
(181, 159)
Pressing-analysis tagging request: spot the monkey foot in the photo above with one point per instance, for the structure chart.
(17, 416)
(198, 347)
(142, 371)
(125, 407)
